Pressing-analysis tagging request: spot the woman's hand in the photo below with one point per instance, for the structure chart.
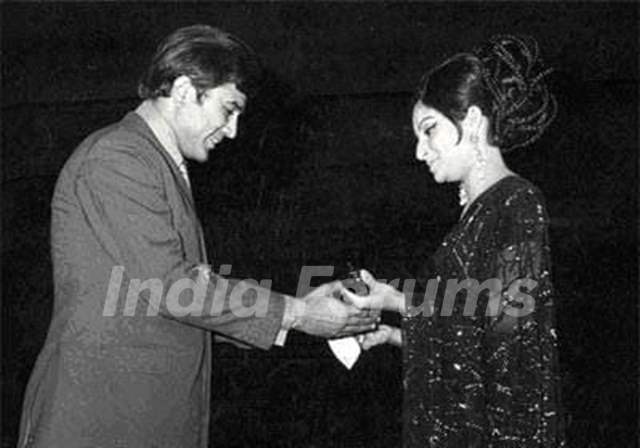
(381, 296)
(384, 334)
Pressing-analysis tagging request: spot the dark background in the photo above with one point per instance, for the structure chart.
(323, 172)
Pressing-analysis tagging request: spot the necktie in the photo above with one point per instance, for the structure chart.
(183, 170)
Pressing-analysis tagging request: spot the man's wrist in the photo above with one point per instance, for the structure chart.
(293, 311)
(288, 320)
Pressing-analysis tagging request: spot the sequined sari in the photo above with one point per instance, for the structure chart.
(484, 372)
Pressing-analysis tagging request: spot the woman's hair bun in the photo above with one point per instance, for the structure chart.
(521, 105)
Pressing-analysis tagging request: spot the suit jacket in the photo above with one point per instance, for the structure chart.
(121, 369)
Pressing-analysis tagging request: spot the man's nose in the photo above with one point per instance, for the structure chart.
(231, 128)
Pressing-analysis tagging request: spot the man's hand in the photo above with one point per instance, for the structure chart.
(381, 296)
(319, 313)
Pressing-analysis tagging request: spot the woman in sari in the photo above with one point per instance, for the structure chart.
(480, 370)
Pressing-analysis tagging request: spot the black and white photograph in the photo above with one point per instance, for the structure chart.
(350, 224)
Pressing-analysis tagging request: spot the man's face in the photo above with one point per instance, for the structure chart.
(201, 124)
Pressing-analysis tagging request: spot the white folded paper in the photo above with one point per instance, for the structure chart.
(346, 349)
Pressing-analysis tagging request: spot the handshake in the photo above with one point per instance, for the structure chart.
(350, 308)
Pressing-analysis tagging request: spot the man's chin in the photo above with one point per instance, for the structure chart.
(203, 156)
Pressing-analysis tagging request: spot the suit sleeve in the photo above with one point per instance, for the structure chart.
(123, 202)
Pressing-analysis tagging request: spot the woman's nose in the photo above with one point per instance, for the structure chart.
(421, 150)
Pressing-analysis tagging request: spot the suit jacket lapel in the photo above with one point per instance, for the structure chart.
(185, 191)
(183, 187)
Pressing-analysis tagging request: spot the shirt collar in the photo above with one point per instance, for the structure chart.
(161, 130)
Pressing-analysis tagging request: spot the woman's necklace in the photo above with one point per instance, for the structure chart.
(463, 195)
(464, 199)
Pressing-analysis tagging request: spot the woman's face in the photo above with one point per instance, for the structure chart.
(438, 146)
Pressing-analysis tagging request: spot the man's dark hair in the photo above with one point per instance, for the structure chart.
(209, 56)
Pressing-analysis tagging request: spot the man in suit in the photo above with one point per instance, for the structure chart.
(127, 360)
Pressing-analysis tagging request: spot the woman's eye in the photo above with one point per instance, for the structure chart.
(427, 130)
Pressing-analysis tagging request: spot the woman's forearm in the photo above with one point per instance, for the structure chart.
(396, 337)
(396, 301)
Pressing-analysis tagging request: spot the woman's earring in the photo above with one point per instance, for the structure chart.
(482, 164)
(481, 175)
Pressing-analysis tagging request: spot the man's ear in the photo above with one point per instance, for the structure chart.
(182, 90)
